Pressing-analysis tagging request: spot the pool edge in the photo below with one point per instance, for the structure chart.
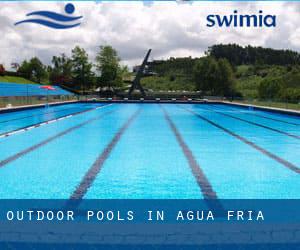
(34, 106)
(263, 108)
(242, 105)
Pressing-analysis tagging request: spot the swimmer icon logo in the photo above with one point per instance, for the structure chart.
(54, 20)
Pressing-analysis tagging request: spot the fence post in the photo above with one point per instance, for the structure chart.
(27, 100)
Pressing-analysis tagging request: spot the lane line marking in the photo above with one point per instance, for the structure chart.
(201, 179)
(94, 170)
(50, 139)
(256, 124)
(6, 134)
(280, 160)
(266, 117)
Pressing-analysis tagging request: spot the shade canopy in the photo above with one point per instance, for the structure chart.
(48, 87)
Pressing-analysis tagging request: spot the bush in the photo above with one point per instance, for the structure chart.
(290, 95)
(172, 78)
(270, 88)
(277, 88)
(2, 70)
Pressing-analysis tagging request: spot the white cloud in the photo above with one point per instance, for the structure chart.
(170, 29)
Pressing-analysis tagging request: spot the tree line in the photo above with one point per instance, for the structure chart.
(238, 55)
(271, 73)
(76, 71)
(209, 75)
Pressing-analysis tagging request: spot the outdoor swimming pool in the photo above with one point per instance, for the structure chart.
(95, 151)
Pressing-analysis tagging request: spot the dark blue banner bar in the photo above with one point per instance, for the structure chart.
(143, 224)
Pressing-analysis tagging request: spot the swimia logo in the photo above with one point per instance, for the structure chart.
(239, 20)
(54, 20)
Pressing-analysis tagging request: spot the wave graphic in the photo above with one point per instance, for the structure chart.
(48, 24)
(54, 16)
(55, 20)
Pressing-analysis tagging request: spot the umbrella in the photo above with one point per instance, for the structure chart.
(47, 87)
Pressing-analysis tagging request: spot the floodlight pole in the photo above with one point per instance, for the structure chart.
(136, 82)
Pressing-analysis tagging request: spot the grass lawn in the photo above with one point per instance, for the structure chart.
(165, 83)
(15, 79)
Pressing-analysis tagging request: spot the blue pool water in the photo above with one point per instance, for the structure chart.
(149, 151)
(17, 120)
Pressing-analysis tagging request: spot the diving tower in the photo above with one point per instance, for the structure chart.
(136, 82)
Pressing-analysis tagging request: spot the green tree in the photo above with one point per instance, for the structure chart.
(38, 70)
(25, 69)
(83, 76)
(61, 71)
(33, 70)
(213, 76)
(108, 65)
(238, 55)
(224, 83)
(270, 88)
(205, 74)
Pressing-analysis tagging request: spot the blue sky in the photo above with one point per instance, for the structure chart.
(169, 28)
